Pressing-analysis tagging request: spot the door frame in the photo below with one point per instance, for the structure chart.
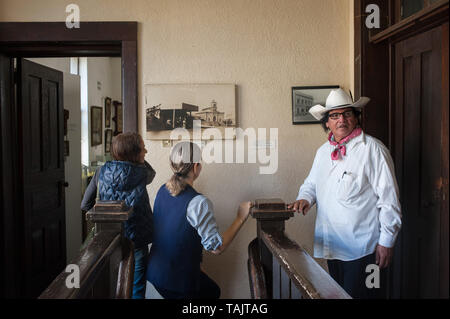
(53, 39)
(374, 65)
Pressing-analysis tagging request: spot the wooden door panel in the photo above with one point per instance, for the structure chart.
(418, 160)
(41, 136)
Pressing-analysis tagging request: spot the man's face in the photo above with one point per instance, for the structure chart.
(343, 125)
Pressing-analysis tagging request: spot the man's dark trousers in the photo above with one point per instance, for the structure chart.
(351, 275)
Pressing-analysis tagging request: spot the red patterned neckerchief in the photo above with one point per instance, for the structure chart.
(340, 149)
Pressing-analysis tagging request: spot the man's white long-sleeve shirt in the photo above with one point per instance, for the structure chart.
(357, 199)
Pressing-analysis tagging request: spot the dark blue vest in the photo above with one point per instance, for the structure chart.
(176, 253)
(127, 181)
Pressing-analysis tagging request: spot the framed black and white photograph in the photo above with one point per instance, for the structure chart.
(96, 125)
(171, 106)
(305, 97)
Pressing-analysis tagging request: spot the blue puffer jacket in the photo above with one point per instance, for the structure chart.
(127, 181)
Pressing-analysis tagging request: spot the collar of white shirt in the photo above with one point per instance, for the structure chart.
(361, 138)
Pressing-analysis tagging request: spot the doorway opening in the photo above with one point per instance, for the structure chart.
(33, 243)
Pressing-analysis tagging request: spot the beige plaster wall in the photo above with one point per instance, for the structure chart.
(264, 47)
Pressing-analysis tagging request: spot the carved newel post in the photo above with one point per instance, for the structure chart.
(109, 215)
(271, 215)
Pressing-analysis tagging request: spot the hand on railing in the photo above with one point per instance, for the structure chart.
(232, 230)
(300, 206)
(244, 210)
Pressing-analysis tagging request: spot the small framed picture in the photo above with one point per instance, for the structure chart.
(118, 117)
(96, 125)
(304, 97)
(108, 140)
(107, 112)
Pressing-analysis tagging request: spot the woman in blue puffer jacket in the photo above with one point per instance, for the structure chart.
(125, 178)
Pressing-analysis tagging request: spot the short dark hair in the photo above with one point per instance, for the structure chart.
(126, 147)
(325, 118)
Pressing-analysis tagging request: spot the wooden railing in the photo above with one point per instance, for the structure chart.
(278, 267)
(105, 268)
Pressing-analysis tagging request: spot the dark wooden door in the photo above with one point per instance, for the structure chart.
(8, 209)
(40, 129)
(418, 152)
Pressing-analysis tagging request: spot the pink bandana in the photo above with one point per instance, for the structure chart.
(340, 149)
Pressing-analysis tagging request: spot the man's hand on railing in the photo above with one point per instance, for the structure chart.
(300, 206)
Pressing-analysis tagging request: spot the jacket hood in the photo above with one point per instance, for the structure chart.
(123, 176)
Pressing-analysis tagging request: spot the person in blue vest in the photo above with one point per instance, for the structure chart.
(126, 178)
(184, 224)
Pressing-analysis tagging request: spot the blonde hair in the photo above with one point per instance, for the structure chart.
(182, 159)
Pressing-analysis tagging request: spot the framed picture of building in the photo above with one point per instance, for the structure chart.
(188, 106)
(304, 97)
(96, 125)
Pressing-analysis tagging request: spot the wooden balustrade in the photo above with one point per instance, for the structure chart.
(278, 267)
(106, 265)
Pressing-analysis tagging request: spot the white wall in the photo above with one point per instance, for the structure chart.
(107, 71)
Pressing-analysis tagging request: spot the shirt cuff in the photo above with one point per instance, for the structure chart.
(386, 240)
(213, 243)
(310, 200)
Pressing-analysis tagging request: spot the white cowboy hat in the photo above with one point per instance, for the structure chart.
(337, 99)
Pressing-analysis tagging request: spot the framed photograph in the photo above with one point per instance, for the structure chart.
(304, 97)
(108, 140)
(118, 117)
(96, 125)
(107, 112)
(172, 106)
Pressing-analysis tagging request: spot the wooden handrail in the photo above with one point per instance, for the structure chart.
(106, 266)
(280, 268)
(305, 273)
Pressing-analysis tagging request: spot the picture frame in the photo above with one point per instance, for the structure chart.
(96, 125)
(304, 97)
(108, 140)
(118, 117)
(107, 112)
(185, 105)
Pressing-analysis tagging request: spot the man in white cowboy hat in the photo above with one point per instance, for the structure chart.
(353, 184)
